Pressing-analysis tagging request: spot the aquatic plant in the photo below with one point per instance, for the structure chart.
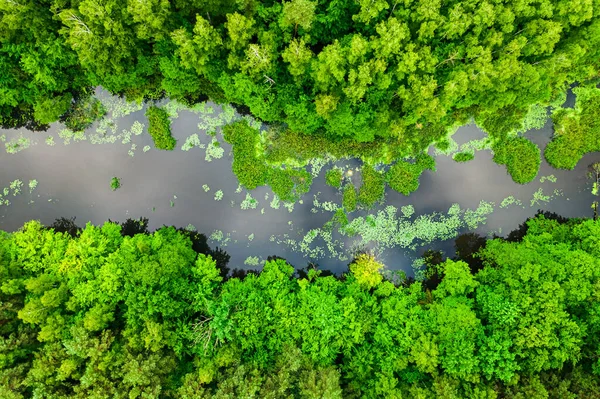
(535, 119)
(510, 200)
(479, 216)
(83, 112)
(221, 238)
(463, 156)
(214, 150)
(191, 227)
(32, 185)
(349, 197)
(550, 178)
(404, 176)
(576, 131)
(159, 128)
(407, 211)
(67, 135)
(206, 188)
(136, 129)
(16, 186)
(317, 164)
(521, 157)
(333, 177)
(17, 144)
(249, 202)
(217, 235)
(131, 151)
(539, 197)
(218, 195)
(50, 141)
(472, 146)
(446, 146)
(275, 202)
(146, 148)
(252, 261)
(191, 142)
(251, 237)
(372, 188)
(115, 183)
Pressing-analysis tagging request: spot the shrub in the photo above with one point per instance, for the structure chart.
(83, 113)
(333, 177)
(404, 176)
(521, 157)
(160, 128)
(49, 110)
(115, 183)
(252, 171)
(366, 270)
(576, 131)
(372, 188)
(349, 198)
(463, 156)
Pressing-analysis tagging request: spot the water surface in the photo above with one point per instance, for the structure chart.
(178, 188)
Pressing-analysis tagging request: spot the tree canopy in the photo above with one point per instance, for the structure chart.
(396, 70)
(115, 311)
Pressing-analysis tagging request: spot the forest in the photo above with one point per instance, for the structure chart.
(116, 311)
(379, 80)
(398, 71)
(370, 90)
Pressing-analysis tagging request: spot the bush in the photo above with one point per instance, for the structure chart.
(349, 198)
(49, 110)
(403, 176)
(160, 128)
(115, 183)
(252, 171)
(576, 131)
(333, 177)
(249, 169)
(83, 113)
(372, 188)
(463, 156)
(521, 157)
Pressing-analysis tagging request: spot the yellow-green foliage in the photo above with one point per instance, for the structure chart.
(366, 270)
(576, 131)
(521, 157)
(160, 128)
(372, 188)
(404, 176)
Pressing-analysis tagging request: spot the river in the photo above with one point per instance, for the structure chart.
(183, 188)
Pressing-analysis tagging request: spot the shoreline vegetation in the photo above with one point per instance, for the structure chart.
(346, 79)
(117, 310)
